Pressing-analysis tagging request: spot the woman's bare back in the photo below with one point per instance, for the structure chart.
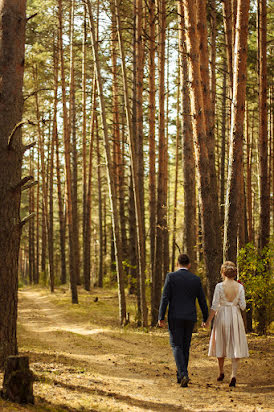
(231, 289)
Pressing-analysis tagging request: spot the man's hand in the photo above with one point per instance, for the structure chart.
(161, 323)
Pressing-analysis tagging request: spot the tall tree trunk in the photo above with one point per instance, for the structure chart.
(233, 195)
(74, 159)
(31, 228)
(12, 22)
(264, 225)
(37, 246)
(152, 144)
(223, 150)
(209, 103)
(51, 162)
(136, 181)
(227, 13)
(210, 220)
(190, 225)
(249, 178)
(100, 272)
(113, 202)
(66, 138)
(139, 110)
(41, 143)
(84, 129)
(161, 219)
(178, 131)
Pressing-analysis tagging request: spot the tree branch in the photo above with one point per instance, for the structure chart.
(31, 17)
(26, 187)
(26, 219)
(22, 182)
(29, 146)
(16, 127)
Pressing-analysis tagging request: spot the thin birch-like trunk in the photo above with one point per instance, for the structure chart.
(113, 202)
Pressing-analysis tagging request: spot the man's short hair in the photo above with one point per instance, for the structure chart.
(183, 260)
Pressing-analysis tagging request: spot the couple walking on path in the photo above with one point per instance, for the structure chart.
(228, 338)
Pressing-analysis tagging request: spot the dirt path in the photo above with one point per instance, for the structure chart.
(84, 366)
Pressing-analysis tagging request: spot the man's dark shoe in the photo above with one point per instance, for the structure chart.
(184, 382)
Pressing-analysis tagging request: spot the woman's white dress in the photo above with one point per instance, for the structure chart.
(228, 338)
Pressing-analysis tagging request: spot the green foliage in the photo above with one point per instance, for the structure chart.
(255, 274)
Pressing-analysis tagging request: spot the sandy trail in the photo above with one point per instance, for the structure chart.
(85, 367)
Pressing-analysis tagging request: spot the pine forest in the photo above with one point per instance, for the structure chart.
(133, 132)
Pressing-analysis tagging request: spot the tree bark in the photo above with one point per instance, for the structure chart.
(209, 219)
(66, 138)
(152, 143)
(74, 156)
(264, 187)
(135, 180)
(233, 194)
(161, 210)
(12, 23)
(189, 224)
(113, 202)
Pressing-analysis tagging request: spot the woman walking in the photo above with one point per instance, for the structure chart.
(228, 338)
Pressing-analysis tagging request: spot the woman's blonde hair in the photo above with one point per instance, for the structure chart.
(229, 269)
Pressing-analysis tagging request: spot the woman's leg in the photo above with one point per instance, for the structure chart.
(221, 369)
(234, 364)
(221, 362)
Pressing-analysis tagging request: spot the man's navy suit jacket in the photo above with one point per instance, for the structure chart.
(180, 292)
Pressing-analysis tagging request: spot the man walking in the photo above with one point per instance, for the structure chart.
(180, 292)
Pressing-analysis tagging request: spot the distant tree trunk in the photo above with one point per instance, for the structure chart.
(62, 216)
(178, 131)
(233, 195)
(249, 178)
(41, 144)
(264, 206)
(66, 138)
(113, 202)
(100, 272)
(227, 12)
(51, 161)
(139, 110)
(223, 150)
(151, 120)
(134, 268)
(166, 257)
(12, 23)
(161, 209)
(134, 284)
(189, 225)
(84, 128)
(31, 229)
(209, 219)
(87, 232)
(72, 125)
(213, 31)
(37, 209)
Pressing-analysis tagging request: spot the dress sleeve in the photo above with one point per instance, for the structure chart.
(242, 302)
(216, 298)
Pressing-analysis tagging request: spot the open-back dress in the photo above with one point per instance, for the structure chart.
(228, 338)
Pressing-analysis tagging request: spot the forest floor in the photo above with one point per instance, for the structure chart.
(83, 361)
